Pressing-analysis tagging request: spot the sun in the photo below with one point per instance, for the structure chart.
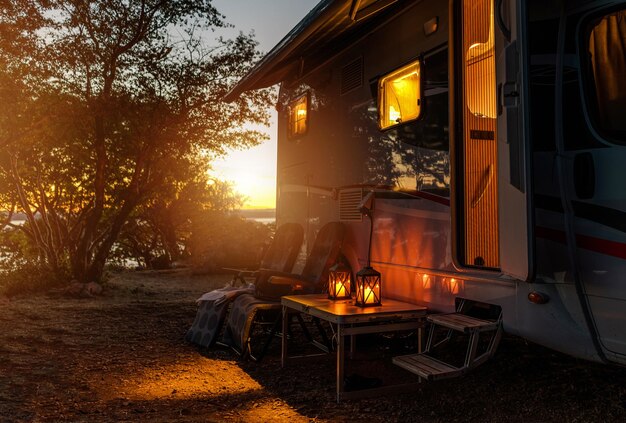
(252, 173)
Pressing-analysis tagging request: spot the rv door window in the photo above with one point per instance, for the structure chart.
(480, 76)
(606, 47)
(399, 96)
(299, 116)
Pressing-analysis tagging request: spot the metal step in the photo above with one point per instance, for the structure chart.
(462, 322)
(427, 367)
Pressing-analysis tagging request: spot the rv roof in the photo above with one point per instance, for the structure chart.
(324, 23)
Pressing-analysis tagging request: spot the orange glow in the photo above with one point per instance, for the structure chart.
(298, 116)
(479, 143)
(399, 96)
(339, 282)
(252, 173)
(370, 297)
(176, 380)
(454, 286)
(194, 377)
(340, 290)
(368, 287)
(426, 281)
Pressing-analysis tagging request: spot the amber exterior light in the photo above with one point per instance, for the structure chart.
(339, 282)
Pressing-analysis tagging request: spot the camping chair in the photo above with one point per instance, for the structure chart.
(280, 255)
(213, 307)
(264, 307)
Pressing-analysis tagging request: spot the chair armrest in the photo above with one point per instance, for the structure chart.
(242, 272)
(295, 281)
(268, 273)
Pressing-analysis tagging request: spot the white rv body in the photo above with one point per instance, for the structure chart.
(561, 191)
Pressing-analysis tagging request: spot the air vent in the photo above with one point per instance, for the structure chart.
(349, 200)
(352, 76)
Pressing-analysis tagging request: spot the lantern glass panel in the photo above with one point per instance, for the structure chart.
(339, 282)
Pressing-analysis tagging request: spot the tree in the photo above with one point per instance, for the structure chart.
(163, 225)
(113, 97)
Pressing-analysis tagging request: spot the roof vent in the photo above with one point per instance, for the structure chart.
(352, 76)
(349, 200)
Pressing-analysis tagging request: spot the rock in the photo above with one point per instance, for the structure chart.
(92, 289)
(78, 289)
(161, 262)
(74, 289)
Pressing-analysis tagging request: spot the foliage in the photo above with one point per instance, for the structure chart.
(19, 270)
(221, 239)
(110, 104)
(160, 229)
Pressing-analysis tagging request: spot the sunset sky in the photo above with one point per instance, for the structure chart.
(254, 171)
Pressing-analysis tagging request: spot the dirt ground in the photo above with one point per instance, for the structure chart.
(122, 357)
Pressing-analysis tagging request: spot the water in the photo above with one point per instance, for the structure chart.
(264, 220)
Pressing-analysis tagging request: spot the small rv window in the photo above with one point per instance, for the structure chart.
(607, 71)
(299, 116)
(399, 96)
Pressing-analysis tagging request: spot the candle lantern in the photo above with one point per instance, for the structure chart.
(339, 282)
(368, 287)
(368, 282)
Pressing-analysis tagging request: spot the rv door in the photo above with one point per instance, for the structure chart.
(514, 184)
(491, 159)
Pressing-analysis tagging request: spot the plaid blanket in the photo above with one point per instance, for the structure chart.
(239, 322)
(212, 309)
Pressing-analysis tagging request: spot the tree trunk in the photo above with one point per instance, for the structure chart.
(96, 268)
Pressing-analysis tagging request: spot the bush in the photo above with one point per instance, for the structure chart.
(21, 271)
(28, 278)
(221, 240)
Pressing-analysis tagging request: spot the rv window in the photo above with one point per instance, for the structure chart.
(607, 56)
(299, 116)
(399, 96)
(480, 77)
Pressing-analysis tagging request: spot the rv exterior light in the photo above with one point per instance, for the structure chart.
(368, 287)
(339, 282)
(431, 26)
(537, 297)
(426, 282)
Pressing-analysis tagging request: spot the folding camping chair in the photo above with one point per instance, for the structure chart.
(264, 307)
(280, 256)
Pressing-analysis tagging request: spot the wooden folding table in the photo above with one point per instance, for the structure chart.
(351, 320)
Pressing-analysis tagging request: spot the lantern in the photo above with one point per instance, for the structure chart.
(368, 287)
(368, 282)
(339, 282)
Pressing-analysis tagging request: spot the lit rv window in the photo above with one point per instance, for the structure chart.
(607, 54)
(299, 116)
(399, 96)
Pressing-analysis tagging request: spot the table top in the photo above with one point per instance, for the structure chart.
(344, 311)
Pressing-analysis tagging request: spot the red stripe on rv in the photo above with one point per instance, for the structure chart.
(599, 245)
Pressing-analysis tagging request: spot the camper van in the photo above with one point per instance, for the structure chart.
(483, 144)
